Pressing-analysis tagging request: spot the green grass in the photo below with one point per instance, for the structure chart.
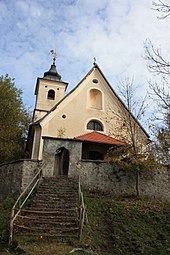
(127, 226)
(5, 212)
(115, 227)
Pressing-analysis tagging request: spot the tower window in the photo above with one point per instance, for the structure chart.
(51, 94)
(95, 125)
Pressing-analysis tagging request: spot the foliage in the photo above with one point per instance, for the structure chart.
(5, 211)
(127, 159)
(14, 121)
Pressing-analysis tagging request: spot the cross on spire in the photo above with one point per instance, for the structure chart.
(94, 62)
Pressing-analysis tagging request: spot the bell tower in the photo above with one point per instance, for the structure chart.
(49, 91)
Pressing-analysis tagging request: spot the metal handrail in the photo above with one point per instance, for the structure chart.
(82, 209)
(19, 204)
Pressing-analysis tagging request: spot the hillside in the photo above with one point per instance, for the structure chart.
(127, 226)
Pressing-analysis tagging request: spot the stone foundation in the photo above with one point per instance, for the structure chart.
(97, 176)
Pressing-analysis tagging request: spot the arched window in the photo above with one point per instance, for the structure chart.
(95, 125)
(95, 99)
(51, 94)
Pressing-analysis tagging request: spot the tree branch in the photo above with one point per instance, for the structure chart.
(163, 8)
(156, 63)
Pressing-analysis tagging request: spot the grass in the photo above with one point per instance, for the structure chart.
(126, 226)
(5, 212)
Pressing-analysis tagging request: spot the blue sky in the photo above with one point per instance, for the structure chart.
(113, 31)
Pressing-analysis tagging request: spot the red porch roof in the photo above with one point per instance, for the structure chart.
(99, 138)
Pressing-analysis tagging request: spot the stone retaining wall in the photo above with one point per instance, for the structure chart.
(95, 176)
(15, 176)
(107, 178)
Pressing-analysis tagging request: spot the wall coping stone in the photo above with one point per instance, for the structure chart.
(19, 161)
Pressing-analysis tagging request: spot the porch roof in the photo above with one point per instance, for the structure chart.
(99, 138)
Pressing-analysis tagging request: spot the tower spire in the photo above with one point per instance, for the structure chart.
(52, 74)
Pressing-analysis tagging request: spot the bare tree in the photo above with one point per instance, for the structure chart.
(157, 64)
(131, 110)
(162, 7)
(160, 91)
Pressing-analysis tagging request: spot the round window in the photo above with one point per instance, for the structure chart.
(63, 116)
(95, 81)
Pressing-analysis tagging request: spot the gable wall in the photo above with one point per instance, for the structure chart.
(78, 113)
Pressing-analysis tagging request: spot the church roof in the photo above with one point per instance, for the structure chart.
(99, 138)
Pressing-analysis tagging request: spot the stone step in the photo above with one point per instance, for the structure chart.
(53, 194)
(46, 229)
(45, 223)
(71, 212)
(59, 185)
(60, 179)
(57, 190)
(60, 237)
(59, 182)
(54, 200)
(51, 218)
(54, 210)
(53, 207)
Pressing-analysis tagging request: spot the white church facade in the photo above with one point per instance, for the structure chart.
(91, 113)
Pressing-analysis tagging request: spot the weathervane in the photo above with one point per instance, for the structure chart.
(54, 54)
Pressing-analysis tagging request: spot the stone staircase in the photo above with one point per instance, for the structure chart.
(54, 211)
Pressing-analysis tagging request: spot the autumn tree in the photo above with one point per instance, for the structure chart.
(14, 121)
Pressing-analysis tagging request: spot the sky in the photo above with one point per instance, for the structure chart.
(112, 31)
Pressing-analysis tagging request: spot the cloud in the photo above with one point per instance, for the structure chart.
(111, 31)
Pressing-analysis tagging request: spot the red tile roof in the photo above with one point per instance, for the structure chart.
(99, 138)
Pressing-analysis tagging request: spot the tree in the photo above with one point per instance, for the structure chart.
(130, 109)
(14, 121)
(160, 66)
(134, 155)
(162, 7)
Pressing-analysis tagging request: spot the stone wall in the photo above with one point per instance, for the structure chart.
(95, 175)
(29, 170)
(156, 183)
(105, 177)
(108, 178)
(15, 176)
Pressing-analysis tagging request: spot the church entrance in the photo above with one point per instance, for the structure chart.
(61, 165)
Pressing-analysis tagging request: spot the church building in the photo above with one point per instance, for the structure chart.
(88, 120)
